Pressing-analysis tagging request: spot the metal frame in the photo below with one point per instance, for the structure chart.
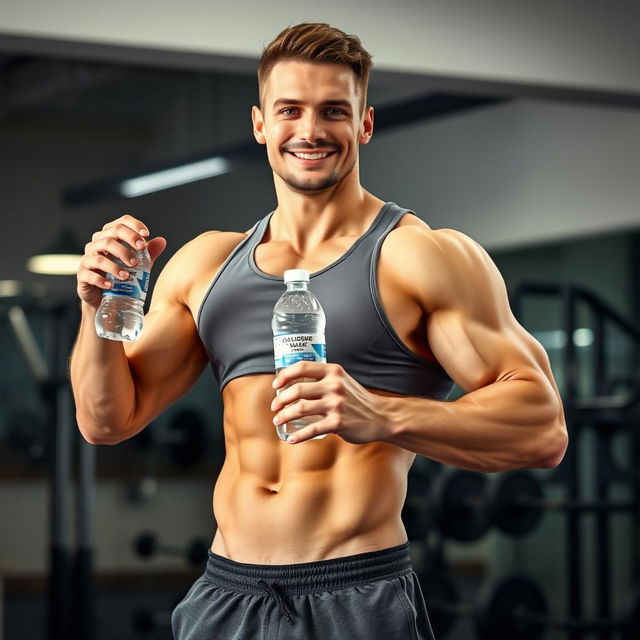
(606, 414)
(70, 581)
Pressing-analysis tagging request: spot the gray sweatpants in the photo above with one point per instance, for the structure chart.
(368, 596)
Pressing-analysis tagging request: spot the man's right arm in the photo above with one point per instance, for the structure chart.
(120, 387)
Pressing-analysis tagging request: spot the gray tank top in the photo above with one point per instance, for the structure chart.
(234, 320)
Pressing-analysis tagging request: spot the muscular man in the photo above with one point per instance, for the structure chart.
(309, 542)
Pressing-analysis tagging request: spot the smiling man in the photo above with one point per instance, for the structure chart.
(310, 544)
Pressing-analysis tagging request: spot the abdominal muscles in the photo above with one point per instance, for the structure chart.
(280, 503)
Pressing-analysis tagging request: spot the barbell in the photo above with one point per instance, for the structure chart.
(184, 438)
(465, 504)
(147, 545)
(515, 607)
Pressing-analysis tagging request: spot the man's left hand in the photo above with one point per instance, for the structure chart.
(345, 406)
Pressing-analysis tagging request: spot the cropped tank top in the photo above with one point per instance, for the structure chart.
(234, 319)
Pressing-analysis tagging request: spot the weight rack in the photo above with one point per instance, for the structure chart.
(607, 414)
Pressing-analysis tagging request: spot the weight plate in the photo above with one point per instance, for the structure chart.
(457, 503)
(514, 501)
(502, 609)
(439, 594)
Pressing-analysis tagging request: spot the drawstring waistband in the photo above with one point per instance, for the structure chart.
(277, 596)
(281, 580)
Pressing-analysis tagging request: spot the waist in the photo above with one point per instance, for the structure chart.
(310, 516)
(310, 577)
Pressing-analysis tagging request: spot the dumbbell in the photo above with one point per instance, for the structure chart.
(465, 505)
(146, 545)
(184, 438)
(514, 607)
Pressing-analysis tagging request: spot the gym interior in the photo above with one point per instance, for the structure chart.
(518, 125)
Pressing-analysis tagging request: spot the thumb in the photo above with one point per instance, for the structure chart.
(155, 247)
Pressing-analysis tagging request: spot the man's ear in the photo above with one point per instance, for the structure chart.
(366, 128)
(258, 125)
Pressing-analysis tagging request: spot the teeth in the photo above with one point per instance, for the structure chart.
(311, 156)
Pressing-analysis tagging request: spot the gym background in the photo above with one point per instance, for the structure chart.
(516, 123)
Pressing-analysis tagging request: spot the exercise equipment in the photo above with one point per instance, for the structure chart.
(456, 497)
(416, 515)
(466, 504)
(185, 438)
(70, 611)
(515, 607)
(147, 545)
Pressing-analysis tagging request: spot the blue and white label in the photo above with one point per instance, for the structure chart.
(292, 347)
(135, 287)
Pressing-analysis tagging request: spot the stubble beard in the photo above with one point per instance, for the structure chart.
(310, 185)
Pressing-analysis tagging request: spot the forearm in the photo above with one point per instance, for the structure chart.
(102, 384)
(508, 424)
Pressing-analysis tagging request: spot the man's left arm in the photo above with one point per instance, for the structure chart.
(511, 415)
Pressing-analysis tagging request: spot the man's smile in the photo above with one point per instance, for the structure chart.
(311, 157)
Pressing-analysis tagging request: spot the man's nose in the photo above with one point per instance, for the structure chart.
(311, 128)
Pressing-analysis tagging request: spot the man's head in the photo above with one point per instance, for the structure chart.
(320, 43)
(313, 86)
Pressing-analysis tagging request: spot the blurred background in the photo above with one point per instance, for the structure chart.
(516, 123)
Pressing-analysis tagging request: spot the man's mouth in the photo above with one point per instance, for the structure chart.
(316, 155)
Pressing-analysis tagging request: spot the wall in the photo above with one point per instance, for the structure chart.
(516, 174)
(572, 44)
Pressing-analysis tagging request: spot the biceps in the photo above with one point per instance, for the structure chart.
(476, 353)
(165, 361)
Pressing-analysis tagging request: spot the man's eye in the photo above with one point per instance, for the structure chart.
(335, 111)
(284, 111)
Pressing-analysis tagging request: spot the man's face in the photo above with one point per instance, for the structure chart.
(311, 109)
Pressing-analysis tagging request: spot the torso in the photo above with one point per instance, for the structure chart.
(280, 504)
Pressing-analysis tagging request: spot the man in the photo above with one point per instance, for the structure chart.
(310, 543)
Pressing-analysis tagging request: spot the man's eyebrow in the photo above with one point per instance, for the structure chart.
(332, 103)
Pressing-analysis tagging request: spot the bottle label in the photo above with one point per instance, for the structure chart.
(289, 348)
(135, 287)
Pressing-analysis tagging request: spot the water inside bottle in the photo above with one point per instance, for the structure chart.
(287, 429)
(125, 325)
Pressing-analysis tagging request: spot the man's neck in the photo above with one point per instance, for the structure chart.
(306, 221)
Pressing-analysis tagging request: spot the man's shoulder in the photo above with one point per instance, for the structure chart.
(198, 258)
(213, 244)
(433, 264)
(416, 239)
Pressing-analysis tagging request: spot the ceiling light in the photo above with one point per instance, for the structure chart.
(10, 288)
(61, 257)
(173, 177)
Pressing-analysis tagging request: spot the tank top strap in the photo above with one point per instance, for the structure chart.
(392, 216)
(388, 218)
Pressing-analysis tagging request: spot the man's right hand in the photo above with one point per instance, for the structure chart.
(96, 262)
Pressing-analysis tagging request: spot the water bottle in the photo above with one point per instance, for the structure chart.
(120, 315)
(298, 334)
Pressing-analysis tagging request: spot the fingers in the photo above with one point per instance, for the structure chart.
(138, 229)
(315, 370)
(156, 247)
(129, 232)
(324, 426)
(302, 388)
(106, 248)
(109, 245)
(300, 409)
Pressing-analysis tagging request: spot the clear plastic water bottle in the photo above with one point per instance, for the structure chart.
(120, 314)
(298, 334)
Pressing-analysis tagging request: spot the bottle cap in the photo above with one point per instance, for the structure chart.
(296, 275)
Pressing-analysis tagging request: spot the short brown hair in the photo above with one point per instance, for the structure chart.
(317, 42)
